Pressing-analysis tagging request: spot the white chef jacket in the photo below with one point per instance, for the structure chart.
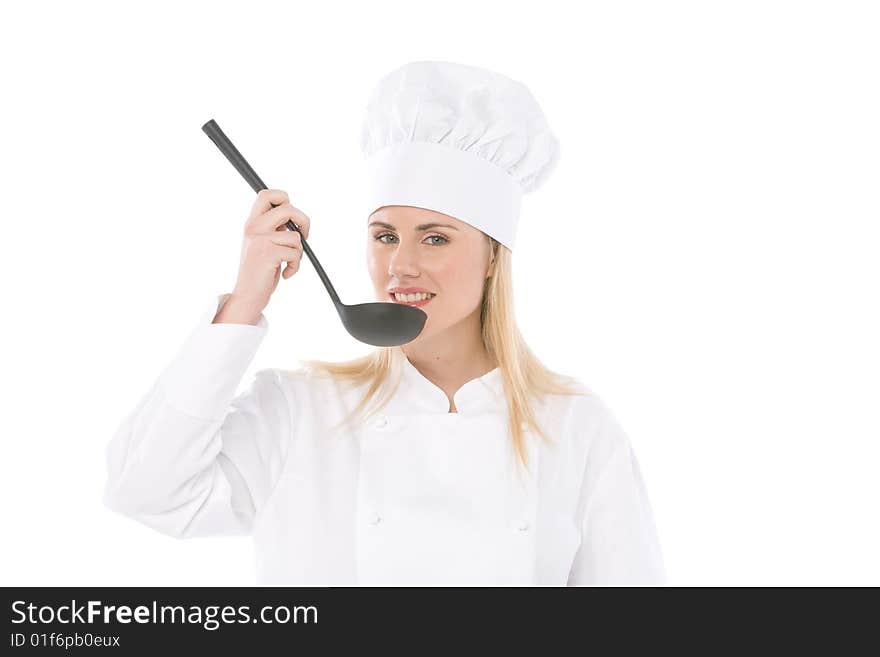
(415, 496)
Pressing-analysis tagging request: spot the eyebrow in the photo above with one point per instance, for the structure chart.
(419, 227)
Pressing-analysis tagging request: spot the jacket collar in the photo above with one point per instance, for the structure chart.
(418, 393)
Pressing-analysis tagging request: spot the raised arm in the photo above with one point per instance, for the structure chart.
(192, 459)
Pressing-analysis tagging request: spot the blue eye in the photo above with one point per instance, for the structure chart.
(378, 238)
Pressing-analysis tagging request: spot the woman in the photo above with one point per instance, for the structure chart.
(455, 459)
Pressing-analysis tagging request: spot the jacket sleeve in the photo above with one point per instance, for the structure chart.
(619, 540)
(191, 459)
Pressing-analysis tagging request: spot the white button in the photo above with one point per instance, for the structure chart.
(381, 422)
(523, 526)
(374, 518)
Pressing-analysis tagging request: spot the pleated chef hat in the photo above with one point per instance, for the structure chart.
(456, 139)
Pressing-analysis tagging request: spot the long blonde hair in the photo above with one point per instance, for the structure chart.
(524, 377)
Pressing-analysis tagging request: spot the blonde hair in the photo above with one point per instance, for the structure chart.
(525, 378)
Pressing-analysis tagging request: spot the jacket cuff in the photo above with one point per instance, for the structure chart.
(203, 377)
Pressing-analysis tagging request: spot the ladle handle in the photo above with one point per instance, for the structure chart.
(237, 159)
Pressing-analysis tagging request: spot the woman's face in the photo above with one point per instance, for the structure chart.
(410, 247)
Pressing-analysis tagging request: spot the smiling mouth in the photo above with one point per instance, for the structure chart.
(420, 302)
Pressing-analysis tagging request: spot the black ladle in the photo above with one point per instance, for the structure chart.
(379, 323)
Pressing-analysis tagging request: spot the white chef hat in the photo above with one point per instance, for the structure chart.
(456, 139)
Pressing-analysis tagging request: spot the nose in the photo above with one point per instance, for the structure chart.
(403, 262)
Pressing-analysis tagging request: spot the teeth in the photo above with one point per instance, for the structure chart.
(409, 298)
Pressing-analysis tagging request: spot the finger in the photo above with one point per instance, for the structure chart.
(266, 198)
(287, 254)
(286, 238)
(278, 218)
(272, 219)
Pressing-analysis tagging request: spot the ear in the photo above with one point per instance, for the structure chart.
(491, 258)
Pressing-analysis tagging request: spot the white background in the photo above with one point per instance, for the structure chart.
(704, 257)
